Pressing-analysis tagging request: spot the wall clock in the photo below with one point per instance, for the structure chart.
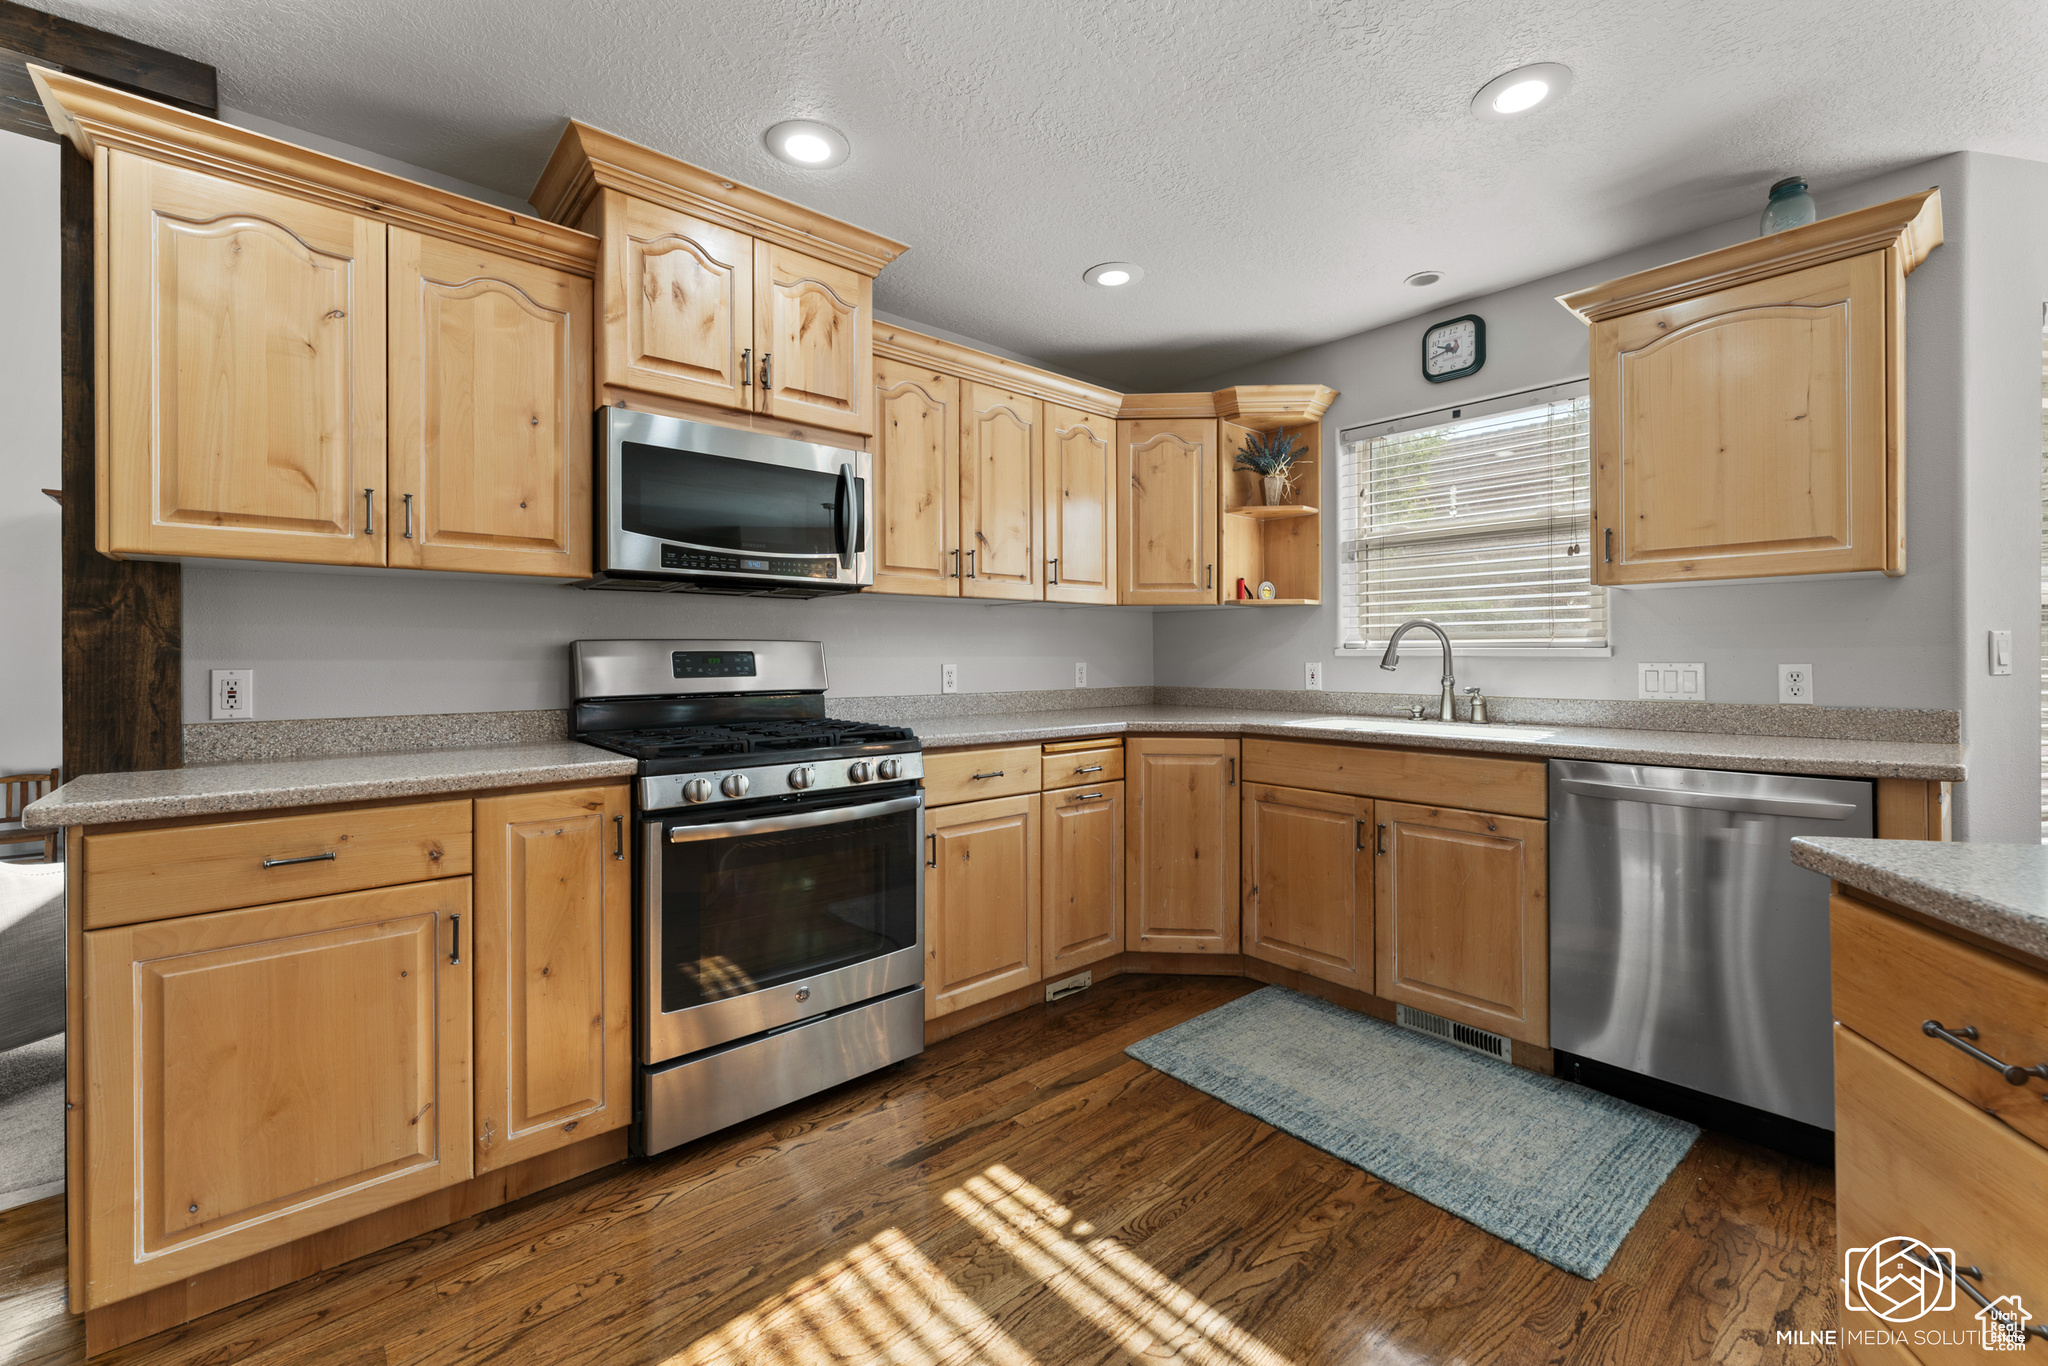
(1454, 349)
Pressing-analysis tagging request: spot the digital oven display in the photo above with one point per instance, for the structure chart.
(699, 664)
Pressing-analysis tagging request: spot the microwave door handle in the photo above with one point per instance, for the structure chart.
(860, 515)
(842, 513)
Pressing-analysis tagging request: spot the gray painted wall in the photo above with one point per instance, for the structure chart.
(31, 424)
(1973, 389)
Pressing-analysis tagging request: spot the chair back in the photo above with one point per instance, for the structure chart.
(17, 790)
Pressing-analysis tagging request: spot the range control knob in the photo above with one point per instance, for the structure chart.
(860, 771)
(735, 785)
(697, 790)
(801, 778)
(889, 770)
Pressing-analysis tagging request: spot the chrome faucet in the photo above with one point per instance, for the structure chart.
(1391, 661)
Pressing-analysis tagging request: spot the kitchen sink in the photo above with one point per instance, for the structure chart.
(1389, 725)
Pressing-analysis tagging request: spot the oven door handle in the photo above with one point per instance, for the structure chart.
(768, 825)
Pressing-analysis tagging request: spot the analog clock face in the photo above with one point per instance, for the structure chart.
(1451, 347)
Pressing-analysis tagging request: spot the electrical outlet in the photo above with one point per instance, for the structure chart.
(1315, 676)
(2001, 652)
(1672, 682)
(234, 694)
(1080, 674)
(949, 678)
(1795, 682)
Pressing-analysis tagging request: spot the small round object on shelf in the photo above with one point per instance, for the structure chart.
(860, 771)
(697, 790)
(1266, 592)
(889, 770)
(735, 785)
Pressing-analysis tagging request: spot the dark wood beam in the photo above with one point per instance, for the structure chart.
(28, 35)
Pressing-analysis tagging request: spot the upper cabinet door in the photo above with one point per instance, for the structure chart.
(243, 410)
(490, 412)
(813, 339)
(1743, 433)
(916, 489)
(678, 305)
(1080, 506)
(1166, 487)
(999, 477)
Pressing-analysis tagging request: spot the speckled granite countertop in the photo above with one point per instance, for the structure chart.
(1686, 749)
(210, 789)
(1999, 891)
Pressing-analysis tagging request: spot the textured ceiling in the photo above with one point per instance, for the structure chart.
(1277, 168)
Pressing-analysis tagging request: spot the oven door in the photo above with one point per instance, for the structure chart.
(757, 923)
(687, 499)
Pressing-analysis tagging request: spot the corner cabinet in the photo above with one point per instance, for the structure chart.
(1180, 872)
(1166, 481)
(1748, 405)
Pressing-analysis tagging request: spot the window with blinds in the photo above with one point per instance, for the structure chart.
(1476, 518)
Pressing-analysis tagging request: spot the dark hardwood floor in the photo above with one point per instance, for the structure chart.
(1020, 1193)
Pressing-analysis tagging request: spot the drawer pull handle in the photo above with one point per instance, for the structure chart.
(1092, 768)
(997, 774)
(1960, 1038)
(1087, 796)
(1984, 1302)
(303, 858)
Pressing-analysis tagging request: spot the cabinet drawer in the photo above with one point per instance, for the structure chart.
(138, 875)
(1912, 1161)
(1891, 976)
(968, 775)
(1074, 767)
(1467, 782)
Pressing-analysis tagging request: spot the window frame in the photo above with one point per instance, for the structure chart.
(1351, 472)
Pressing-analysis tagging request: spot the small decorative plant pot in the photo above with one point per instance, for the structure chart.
(1275, 488)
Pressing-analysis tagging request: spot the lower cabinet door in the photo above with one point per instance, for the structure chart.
(1180, 865)
(1308, 882)
(1462, 924)
(981, 916)
(1084, 876)
(554, 997)
(255, 1076)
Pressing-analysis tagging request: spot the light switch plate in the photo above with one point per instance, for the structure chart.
(233, 694)
(2001, 652)
(1795, 683)
(1671, 682)
(1315, 676)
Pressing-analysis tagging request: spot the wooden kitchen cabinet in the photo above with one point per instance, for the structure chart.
(554, 995)
(258, 1075)
(1167, 510)
(1079, 503)
(1083, 886)
(241, 406)
(1462, 925)
(1308, 882)
(981, 906)
(1181, 843)
(1000, 514)
(489, 412)
(813, 327)
(916, 481)
(1748, 404)
(678, 304)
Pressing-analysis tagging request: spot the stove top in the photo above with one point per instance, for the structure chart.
(724, 740)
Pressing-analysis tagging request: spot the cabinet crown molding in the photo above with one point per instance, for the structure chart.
(1262, 407)
(588, 160)
(906, 347)
(1911, 226)
(94, 117)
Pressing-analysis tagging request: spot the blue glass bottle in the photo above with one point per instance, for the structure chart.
(1790, 207)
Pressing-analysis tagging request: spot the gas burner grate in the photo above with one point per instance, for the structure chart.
(746, 737)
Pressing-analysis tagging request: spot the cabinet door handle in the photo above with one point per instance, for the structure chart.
(1208, 576)
(1092, 768)
(1053, 565)
(931, 851)
(970, 564)
(1609, 534)
(369, 512)
(997, 774)
(329, 855)
(767, 372)
(956, 562)
(408, 518)
(619, 837)
(1233, 772)
(747, 368)
(2014, 1074)
(1358, 837)
(1379, 843)
(455, 947)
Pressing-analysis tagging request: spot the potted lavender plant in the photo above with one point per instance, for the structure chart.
(1271, 456)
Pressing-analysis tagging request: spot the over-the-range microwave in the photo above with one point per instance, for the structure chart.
(689, 507)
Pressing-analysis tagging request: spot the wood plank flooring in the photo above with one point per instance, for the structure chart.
(1020, 1193)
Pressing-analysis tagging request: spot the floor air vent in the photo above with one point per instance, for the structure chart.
(1450, 1031)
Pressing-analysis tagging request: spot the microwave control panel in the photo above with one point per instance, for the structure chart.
(680, 557)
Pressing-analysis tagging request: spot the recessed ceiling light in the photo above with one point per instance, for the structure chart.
(807, 143)
(1422, 278)
(1111, 274)
(1522, 91)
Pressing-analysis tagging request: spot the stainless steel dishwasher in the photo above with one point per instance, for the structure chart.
(1685, 944)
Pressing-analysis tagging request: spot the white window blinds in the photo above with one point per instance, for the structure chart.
(1476, 518)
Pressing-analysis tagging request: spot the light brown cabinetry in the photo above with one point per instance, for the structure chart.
(258, 1075)
(1180, 868)
(1083, 885)
(1308, 882)
(813, 326)
(916, 481)
(1166, 492)
(678, 296)
(981, 905)
(1748, 404)
(1462, 919)
(1079, 506)
(554, 999)
(1000, 471)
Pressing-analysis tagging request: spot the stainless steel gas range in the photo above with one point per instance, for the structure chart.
(780, 892)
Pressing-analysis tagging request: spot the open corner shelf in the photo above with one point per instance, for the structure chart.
(1267, 514)
(1273, 602)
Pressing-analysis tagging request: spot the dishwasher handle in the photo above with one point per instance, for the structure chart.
(1811, 808)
